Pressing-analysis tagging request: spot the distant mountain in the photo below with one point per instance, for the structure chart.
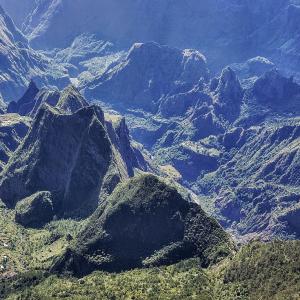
(13, 128)
(18, 10)
(206, 128)
(19, 63)
(225, 31)
(148, 75)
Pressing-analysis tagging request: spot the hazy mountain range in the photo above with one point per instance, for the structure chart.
(149, 137)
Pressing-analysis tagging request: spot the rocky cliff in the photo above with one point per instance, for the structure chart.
(79, 166)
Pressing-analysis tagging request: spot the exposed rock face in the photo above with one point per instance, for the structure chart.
(32, 100)
(260, 180)
(13, 129)
(229, 95)
(76, 165)
(144, 222)
(26, 103)
(223, 30)
(71, 100)
(149, 73)
(19, 63)
(35, 211)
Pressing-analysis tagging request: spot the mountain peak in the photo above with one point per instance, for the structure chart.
(71, 100)
(25, 104)
(229, 94)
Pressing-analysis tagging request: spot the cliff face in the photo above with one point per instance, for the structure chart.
(19, 63)
(149, 73)
(13, 129)
(18, 10)
(79, 166)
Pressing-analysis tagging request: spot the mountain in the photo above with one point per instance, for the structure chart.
(144, 223)
(87, 147)
(18, 10)
(149, 74)
(69, 100)
(13, 128)
(257, 189)
(19, 63)
(205, 128)
(223, 30)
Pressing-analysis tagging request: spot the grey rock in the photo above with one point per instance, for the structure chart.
(71, 100)
(19, 63)
(78, 166)
(149, 73)
(13, 128)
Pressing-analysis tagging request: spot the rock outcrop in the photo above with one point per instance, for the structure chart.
(35, 211)
(71, 100)
(26, 103)
(228, 95)
(19, 63)
(13, 129)
(78, 166)
(149, 73)
(144, 223)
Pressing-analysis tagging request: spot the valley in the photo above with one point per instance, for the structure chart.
(149, 149)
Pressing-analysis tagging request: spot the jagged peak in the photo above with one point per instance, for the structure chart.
(71, 100)
(227, 75)
(31, 91)
(229, 84)
(274, 87)
(149, 50)
(21, 106)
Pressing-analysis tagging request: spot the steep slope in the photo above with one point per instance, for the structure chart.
(19, 63)
(257, 189)
(144, 223)
(18, 10)
(34, 98)
(78, 166)
(13, 129)
(149, 74)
